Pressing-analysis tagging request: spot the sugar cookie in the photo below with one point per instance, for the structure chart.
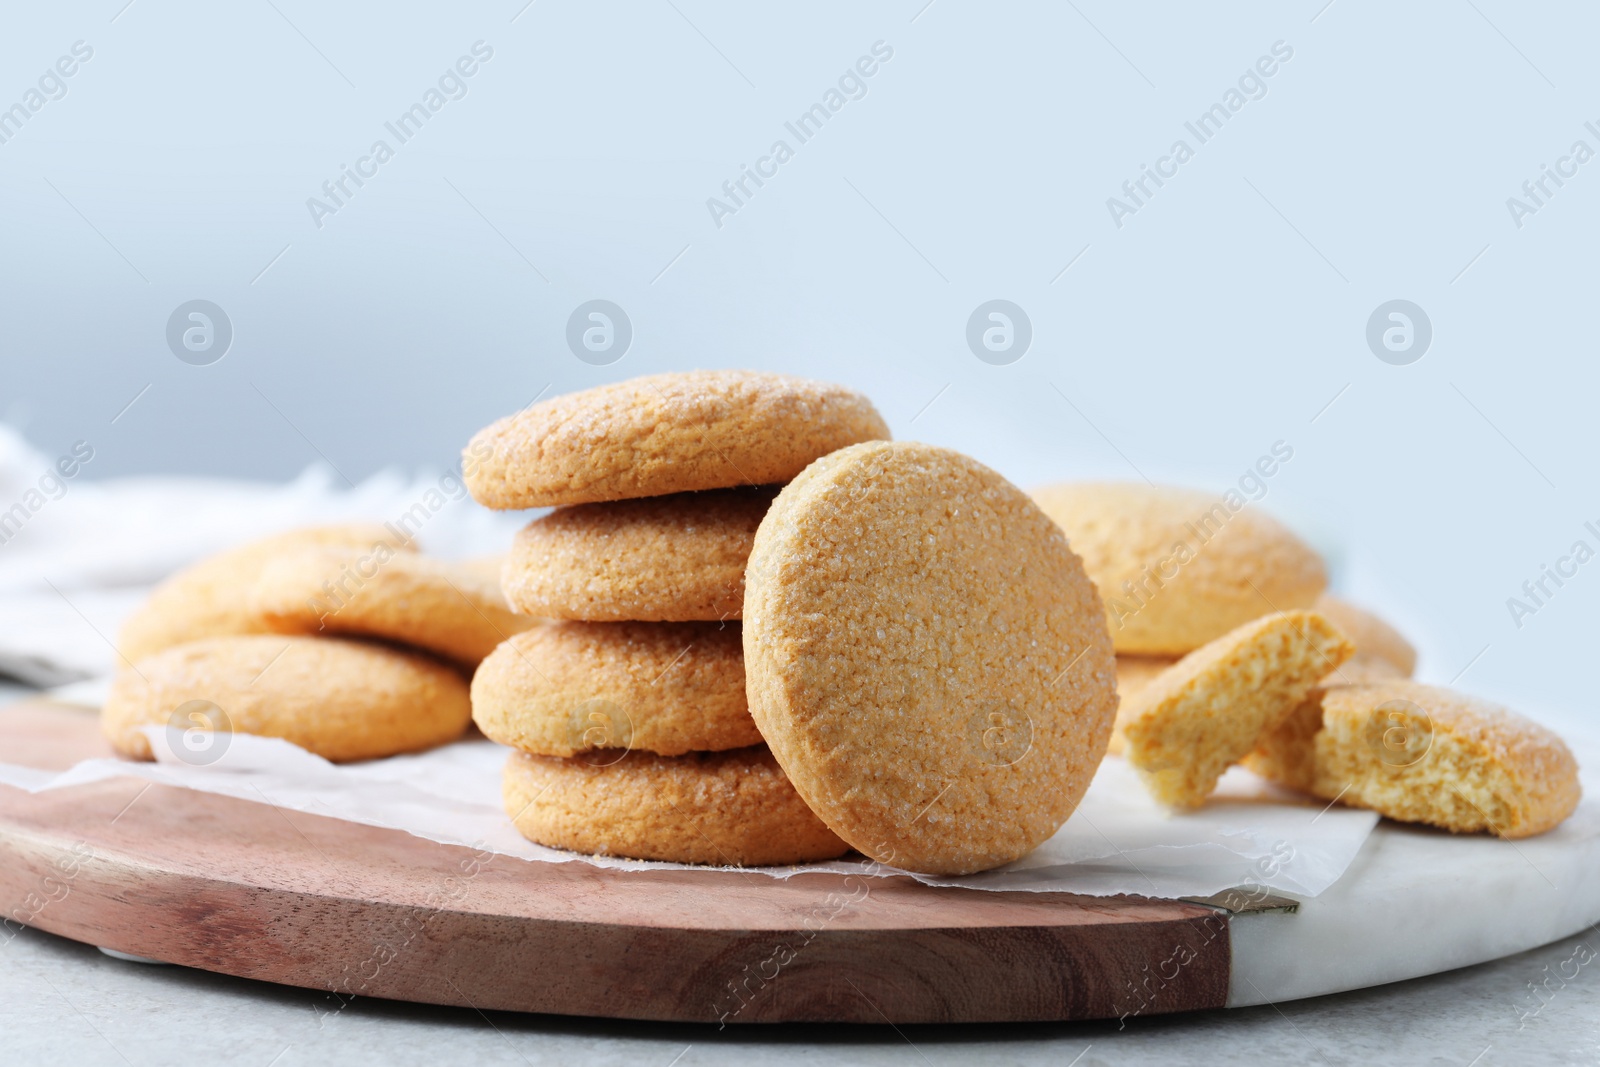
(1210, 709)
(343, 700)
(571, 687)
(926, 657)
(212, 597)
(453, 609)
(725, 808)
(1178, 568)
(675, 558)
(665, 433)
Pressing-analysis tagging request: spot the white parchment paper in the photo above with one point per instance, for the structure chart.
(1118, 841)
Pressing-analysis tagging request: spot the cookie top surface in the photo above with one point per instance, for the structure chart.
(677, 558)
(453, 609)
(926, 657)
(1177, 567)
(211, 597)
(665, 433)
(341, 699)
(564, 688)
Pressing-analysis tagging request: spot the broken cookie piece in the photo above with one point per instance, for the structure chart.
(1421, 753)
(1211, 708)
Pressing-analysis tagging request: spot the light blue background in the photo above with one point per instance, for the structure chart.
(1223, 317)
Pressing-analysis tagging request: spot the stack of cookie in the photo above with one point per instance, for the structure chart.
(627, 711)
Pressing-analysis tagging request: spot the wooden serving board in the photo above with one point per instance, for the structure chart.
(260, 892)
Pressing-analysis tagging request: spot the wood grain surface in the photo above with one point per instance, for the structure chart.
(261, 892)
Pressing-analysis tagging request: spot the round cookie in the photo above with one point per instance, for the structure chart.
(665, 433)
(1179, 568)
(570, 687)
(677, 558)
(453, 609)
(212, 597)
(343, 700)
(926, 657)
(725, 808)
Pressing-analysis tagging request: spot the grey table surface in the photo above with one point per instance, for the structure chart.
(65, 1002)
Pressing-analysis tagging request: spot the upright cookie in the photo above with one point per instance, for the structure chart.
(1420, 753)
(455, 610)
(212, 597)
(926, 657)
(725, 808)
(676, 558)
(665, 433)
(1210, 709)
(1178, 568)
(571, 687)
(343, 700)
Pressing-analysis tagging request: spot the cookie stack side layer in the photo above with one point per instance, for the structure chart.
(677, 558)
